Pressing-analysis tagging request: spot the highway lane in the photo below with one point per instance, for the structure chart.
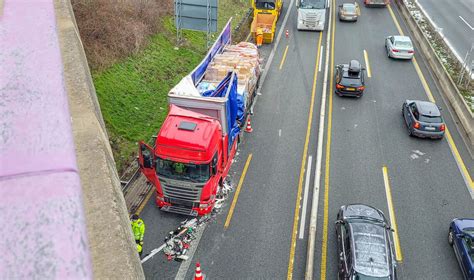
(159, 223)
(456, 18)
(260, 230)
(257, 243)
(367, 134)
(427, 187)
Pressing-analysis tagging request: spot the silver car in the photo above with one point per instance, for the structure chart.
(349, 11)
(399, 47)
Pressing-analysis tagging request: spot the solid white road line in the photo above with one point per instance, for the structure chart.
(456, 54)
(321, 58)
(472, 28)
(305, 197)
(319, 155)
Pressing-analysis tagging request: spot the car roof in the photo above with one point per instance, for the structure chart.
(350, 74)
(371, 251)
(401, 38)
(428, 108)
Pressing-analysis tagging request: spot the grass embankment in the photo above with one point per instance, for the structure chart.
(133, 92)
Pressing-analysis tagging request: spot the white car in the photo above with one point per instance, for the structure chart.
(399, 47)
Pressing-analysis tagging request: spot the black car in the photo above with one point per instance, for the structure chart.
(423, 119)
(364, 244)
(461, 237)
(350, 79)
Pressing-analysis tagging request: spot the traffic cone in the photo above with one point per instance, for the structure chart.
(287, 33)
(198, 274)
(249, 126)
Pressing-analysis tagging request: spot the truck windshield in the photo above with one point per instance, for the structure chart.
(313, 4)
(198, 173)
(265, 4)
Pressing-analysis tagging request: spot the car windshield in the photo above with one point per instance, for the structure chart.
(313, 4)
(430, 119)
(349, 8)
(403, 44)
(198, 173)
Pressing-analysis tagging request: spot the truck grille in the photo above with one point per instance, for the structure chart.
(181, 195)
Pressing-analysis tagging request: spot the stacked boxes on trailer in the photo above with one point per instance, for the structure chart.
(197, 142)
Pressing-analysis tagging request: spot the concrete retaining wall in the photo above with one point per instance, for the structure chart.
(111, 243)
(447, 85)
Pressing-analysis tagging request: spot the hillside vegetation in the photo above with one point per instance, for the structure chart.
(131, 49)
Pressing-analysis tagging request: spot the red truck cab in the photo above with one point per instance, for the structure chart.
(188, 162)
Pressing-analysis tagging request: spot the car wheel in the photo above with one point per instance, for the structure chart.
(388, 53)
(410, 133)
(451, 237)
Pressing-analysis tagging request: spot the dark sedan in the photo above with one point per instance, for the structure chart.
(423, 119)
(350, 79)
(461, 237)
(364, 244)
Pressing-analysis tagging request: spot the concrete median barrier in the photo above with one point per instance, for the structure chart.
(446, 84)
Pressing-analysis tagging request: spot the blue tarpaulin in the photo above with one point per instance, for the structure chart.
(234, 105)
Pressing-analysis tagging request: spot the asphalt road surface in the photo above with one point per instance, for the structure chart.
(456, 18)
(361, 137)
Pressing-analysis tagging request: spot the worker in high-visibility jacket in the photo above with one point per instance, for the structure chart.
(138, 228)
(259, 37)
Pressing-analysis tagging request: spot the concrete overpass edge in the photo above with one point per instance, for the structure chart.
(111, 243)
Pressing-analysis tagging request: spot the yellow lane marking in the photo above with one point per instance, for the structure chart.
(237, 192)
(303, 164)
(452, 145)
(248, 37)
(395, 20)
(145, 201)
(324, 246)
(391, 211)
(423, 81)
(284, 57)
(367, 65)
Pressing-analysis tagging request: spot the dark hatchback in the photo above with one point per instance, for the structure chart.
(461, 237)
(364, 244)
(423, 119)
(350, 79)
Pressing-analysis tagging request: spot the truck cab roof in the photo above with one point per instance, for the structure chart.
(187, 134)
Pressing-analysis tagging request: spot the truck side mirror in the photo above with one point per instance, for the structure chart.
(214, 166)
(147, 157)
